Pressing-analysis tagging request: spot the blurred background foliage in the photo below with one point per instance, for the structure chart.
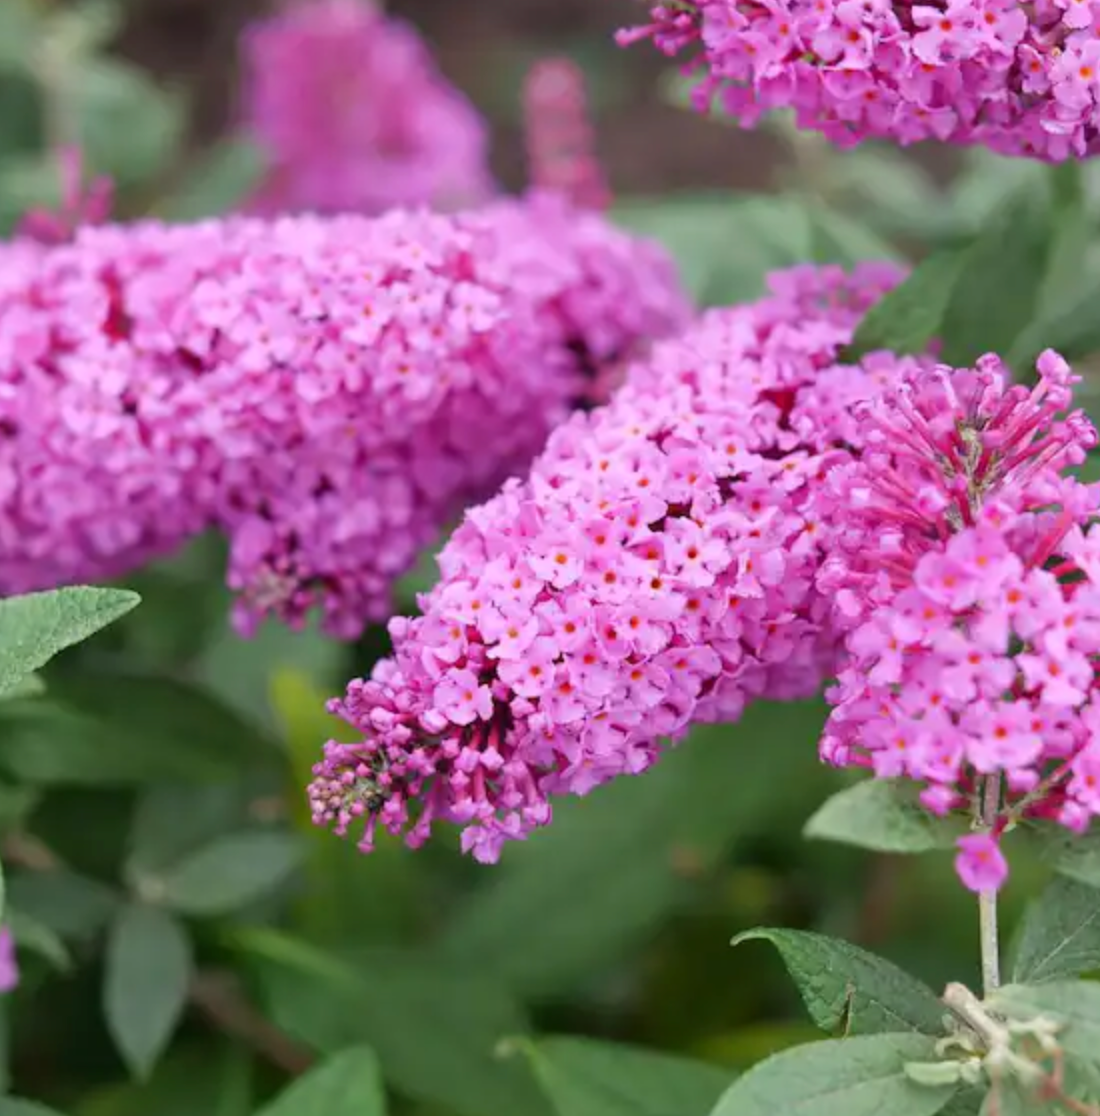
(188, 942)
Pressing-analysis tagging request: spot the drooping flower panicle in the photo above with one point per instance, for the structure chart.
(327, 392)
(1019, 79)
(657, 568)
(969, 577)
(354, 115)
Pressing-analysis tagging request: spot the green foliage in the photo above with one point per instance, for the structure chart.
(912, 314)
(839, 1077)
(436, 1029)
(1060, 936)
(574, 898)
(148, 969)
(883, 815)
(848, 990)
(221, 180)
(347, 1084)
(1075, 1005)
(227, 874)
(582, 1077)
(36, 627)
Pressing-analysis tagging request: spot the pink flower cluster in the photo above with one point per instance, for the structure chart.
(355, 116)
(328, 392)
(1020, 79)
(657, 568)
(969, 576)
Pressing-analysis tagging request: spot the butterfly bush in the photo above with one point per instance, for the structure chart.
(657, 568)
(1020, 79)
(968, 576)
(355, 116)
(327, 392)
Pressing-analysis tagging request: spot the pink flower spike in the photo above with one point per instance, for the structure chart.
(980, 863)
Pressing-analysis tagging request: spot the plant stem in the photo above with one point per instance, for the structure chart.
(987, 900)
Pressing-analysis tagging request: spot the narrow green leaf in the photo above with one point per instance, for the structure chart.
(13, 1106)
(227, 874)
(839, 1077)
(148, 969)
(348, 1084)
(39, 938)
(911, 315)
(1061, 934)
(1074, 1003)
(884, 815)
(435, 1027)
(847, 989)
(999, 284)
(582, 1077)
(35, 627)
(70, 905)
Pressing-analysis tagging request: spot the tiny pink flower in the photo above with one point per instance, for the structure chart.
(980, 863)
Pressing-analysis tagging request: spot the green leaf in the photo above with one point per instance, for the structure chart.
(911, 315)
(13, 1106)
(1061, 934)
(997, 291)
(29, 687)
(149, 966)
(839, 1077)
(227, 874)
(123, 729)
(582, 1077)
(884, 815)
(1071, 327)
(1075, 1003)
(224, 177)
(35, 627)
(39, 938)
(1074, 855)
(69, 905)
(434, 1027)
(200, 1079)
(576, 895)
(348, 1084)
(128, 126)
(848, 989)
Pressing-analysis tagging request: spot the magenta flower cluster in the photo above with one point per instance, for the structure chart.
(968, 573)
(1020, 79)
(327, 392)
(657, 568)
(355, 116)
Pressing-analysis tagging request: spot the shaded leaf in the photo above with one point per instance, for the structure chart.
(148, 969)
(884, 815)
(227, 874)
(39, 938)
(578, 893)
(999, 283)
(71, 906)
(35, 627)
(845, 988)
(347, 1084)
(839, 1077)
(13, 1106)
(434, 1027)
(582, 1077)
(1074, 855)
(912, 314)
(1061, 934)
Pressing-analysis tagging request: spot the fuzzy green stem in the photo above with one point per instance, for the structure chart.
(987, 900)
